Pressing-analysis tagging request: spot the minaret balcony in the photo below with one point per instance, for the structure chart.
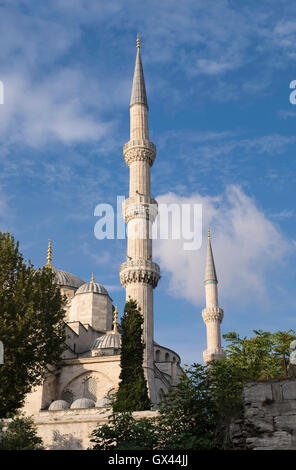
(139, 150)
(139, 207)
(140, 270)
(212, 314)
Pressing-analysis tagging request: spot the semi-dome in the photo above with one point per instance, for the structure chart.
(58, 405)
(83, 403)
(113, 340)
(91, 287)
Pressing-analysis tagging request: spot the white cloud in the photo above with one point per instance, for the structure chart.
(247, 248)
(54, 109)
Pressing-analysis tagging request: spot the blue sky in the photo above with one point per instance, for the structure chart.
(217, 80)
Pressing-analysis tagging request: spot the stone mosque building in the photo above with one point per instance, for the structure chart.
(77, 390)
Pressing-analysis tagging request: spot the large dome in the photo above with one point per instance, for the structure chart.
(91, 287)
(62, 278)
(113, 340)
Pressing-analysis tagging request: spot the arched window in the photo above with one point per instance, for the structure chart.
(167, 357)
(90, 389)
(157, 355)
(174, 359)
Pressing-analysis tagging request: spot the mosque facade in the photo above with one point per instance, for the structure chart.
(89, 370)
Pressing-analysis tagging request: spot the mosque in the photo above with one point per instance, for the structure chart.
(89, 369)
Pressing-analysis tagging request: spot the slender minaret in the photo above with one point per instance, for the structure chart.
(139, 274)
(212, 314)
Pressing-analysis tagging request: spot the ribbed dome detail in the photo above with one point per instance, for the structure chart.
(107, 341)
(62, 278)
(82, 403)
(91, 287)
(59, 405)
(102, 402)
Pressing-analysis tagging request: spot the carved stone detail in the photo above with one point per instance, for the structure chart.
(212, 314)
(135, 208)
(139, 150)
(139, 270)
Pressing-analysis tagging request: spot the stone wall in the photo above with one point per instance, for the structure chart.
(71, 429)
(269, 421)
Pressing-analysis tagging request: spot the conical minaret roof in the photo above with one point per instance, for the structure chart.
(138, 95)
(210, 273)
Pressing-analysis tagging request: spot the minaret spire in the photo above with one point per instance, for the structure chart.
(138, 95)
(139, 274)
(210, 273)
(212, 314)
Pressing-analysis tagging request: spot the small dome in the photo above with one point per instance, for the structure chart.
(102, 402)
(59, 405)
(83, 403)
(113, 340)
(92, 287)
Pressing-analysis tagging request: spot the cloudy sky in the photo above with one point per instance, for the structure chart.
(217, 79)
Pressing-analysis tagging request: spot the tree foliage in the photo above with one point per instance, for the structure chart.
(20, 434)
(132, 394)
(31, 324)
(198, 412)
(124, 432)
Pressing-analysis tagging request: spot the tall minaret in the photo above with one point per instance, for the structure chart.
(139, 274)
(212, 315)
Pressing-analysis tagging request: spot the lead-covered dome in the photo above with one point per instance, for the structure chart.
(91, 287)
(83, 403)
(103, 402)
(113, 340)
(59, 405)
(64, 279)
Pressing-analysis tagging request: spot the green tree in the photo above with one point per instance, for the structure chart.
(124, 432)
(188, 413)
(20, 434)
(132, 394)
(31, 325)
(261, 357)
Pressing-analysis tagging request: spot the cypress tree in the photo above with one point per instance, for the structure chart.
(132, 394)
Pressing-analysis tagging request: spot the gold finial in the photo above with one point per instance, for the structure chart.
(209, 233)
(49, 251)
(115, 322)
(92, 278)
(138, 41)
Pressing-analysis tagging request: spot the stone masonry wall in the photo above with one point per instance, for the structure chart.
(269, 421)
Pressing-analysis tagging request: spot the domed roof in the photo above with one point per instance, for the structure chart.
(59, 405)
(83, 403)
(62, 278)
(92, 287)
(113, 340)
(102, 402)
